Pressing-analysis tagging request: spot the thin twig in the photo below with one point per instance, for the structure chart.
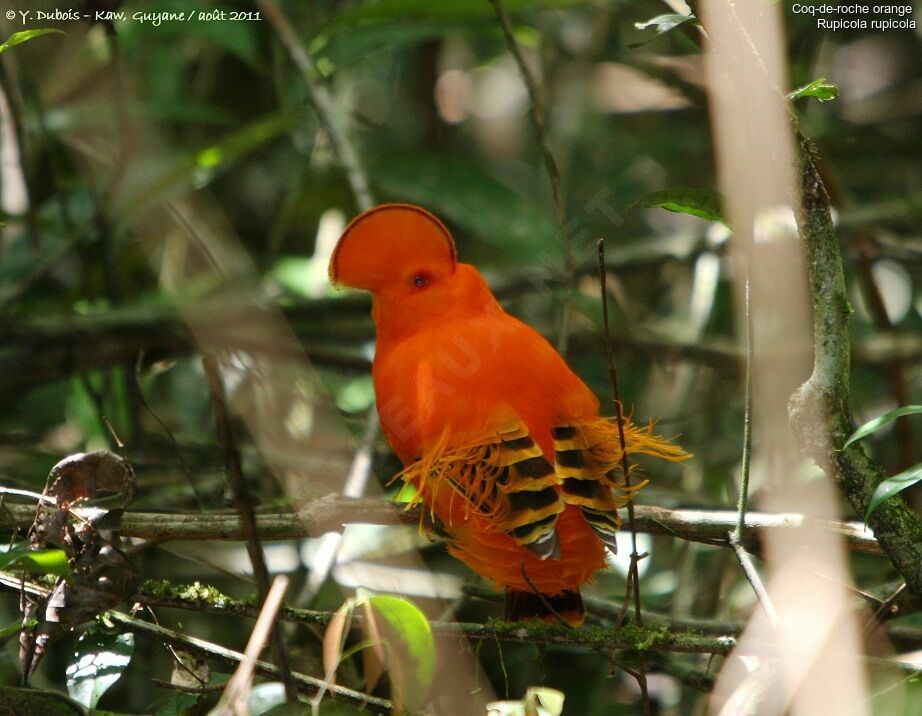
(304, 683)
(233, 700)
(322, 102)
(166, 430)
(41, 499)
(541, 598)
(244, 504)
(752, 576)
(194, 690)
(626, 470)
(885, 609)
(536, 108)
(736, 535)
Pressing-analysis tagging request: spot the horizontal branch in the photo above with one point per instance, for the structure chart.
(658, 637)
(663, 634)
(332, 512)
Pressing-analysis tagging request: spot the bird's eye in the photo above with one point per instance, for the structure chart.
(420, 280)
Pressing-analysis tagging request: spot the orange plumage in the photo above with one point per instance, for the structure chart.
(503, 442)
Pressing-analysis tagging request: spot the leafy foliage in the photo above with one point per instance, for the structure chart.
(897, 483)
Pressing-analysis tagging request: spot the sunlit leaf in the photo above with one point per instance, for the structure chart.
(17, 38)
(102, 655)
(818, 89)
(892, 486)
(405, 632)
(879, 422)
(41, 561)
(703, 203)
(662, 24)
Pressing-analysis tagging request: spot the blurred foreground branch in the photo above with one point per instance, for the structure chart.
(332, 512)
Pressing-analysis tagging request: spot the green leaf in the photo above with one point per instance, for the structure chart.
(17, 38)
(102, 655)
(703, 203)
(16, 627)
(411, 648)
(42, 561)
(893, 485)
(818, 89)
(878, 422)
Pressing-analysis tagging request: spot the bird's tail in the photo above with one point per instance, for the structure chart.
(568, 605)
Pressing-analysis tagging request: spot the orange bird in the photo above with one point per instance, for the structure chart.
(502, 441)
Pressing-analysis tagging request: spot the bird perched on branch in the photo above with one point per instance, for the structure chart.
(503, 443)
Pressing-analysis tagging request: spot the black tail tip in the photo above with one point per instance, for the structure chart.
(568, 605)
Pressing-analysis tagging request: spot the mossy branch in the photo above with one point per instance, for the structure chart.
(663, 634)
(656, 637)
(819, 409)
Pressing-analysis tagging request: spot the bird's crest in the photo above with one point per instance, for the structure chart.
(385, 243)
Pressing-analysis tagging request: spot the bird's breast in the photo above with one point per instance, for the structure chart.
(462, 377)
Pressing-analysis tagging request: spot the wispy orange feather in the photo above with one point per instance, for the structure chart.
(452, 371)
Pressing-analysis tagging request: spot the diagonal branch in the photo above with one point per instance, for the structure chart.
(819, 408)
(322, 102)
(536, 107)
(308, 684)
